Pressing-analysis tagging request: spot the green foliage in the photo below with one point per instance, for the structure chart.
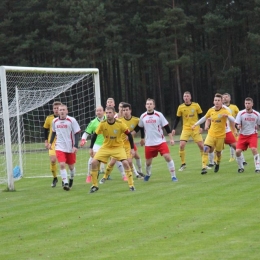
(139, 46)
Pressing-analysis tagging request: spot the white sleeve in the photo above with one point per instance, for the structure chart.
(75, 126)
(141, 123)
(164, 121)
(202, 120)
(231, 118)
(53, 126)
(238, 118)
(85, 136)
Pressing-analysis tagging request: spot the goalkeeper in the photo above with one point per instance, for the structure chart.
(47, 136)
(91, 128)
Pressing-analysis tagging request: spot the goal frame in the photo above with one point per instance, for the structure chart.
(5, 107)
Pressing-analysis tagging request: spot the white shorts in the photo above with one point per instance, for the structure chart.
(96, 147)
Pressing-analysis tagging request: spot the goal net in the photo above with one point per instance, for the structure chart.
(26, 99)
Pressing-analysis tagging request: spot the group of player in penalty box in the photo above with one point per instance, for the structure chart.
(112, 141)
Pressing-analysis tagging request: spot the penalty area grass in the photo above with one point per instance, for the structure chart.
(212, 216)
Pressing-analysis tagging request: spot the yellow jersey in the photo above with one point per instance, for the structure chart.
(48, 125)
(234, 109)
(131, 123)
(189, 114)
(218, 122)
(112, 133)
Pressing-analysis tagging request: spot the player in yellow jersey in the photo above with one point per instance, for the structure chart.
(234, 110)
(190, 112)
(132, 124)
(47, 136)
(112, 130)
(216, 133)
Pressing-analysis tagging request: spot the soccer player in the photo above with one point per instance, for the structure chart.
(234, 111)
(112, 130)
(67, 130)
(190, 112)
(120, 110)
(111, 103)
(47, 136)
(91, 128)
(132, 124)
(153, 123)
(230, 138)
(247, 122)
(217, 132)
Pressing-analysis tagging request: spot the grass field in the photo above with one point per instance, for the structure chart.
(212, 216)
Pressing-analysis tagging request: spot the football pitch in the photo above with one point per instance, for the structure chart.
(212, 216)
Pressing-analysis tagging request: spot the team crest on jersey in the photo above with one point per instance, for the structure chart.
(192, 111)
(115, 131)
(132, 126)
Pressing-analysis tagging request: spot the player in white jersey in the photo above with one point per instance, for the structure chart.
(153, 123)
(247, 122)
(67, 130)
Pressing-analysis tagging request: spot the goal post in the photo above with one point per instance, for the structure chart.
(27, 95)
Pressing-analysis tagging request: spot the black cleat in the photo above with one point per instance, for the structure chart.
(132, 188)
(244, 163)
(93, 189)
(182, 167)
(70, 183)
(203, 171)
(240, 170)
(257, 171)
(66, 187)
(216, 168)
(102, 181)
(54, 182)
(139, 177)
(210, 166)
(141, 174)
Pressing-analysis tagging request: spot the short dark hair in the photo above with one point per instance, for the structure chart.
(125, 105)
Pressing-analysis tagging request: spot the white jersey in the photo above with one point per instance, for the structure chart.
(65, 130)
(228, 128)
(248, 121)
(153, 124)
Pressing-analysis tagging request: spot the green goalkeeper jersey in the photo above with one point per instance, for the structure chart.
(91, 128)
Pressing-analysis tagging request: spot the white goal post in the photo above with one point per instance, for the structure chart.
(26, 98)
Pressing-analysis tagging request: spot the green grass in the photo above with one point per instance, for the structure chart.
(215, 216)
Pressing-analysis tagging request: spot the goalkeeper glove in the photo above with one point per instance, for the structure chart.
(83, 141)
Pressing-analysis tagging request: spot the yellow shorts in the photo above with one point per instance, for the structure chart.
(52, 151)
(194, 134)
(217, 143)
(104, 153)
(128, 151)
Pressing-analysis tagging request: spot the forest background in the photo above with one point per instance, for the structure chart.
(143, 49)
